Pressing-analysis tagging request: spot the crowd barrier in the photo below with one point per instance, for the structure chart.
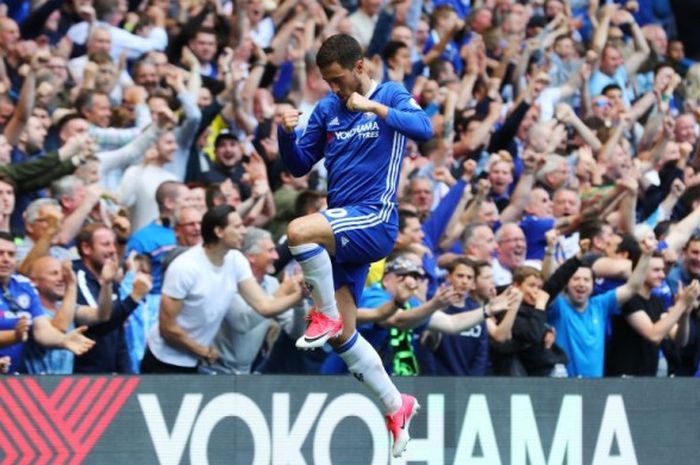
(299, 420)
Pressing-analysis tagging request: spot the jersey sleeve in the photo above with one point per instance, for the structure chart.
(407, 117)
(299, 154)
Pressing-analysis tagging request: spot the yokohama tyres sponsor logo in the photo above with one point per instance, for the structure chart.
(62, 427)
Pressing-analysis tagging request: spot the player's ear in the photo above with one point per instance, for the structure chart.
(360, 65)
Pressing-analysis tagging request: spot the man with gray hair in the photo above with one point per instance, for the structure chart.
(554, 173)
(77, 201)
(511, 252)
(479, 242)
(42, 218)
(244, 331)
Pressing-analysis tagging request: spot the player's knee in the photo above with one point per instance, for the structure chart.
(297, 232)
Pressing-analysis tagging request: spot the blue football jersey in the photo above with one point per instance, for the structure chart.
(363, 152)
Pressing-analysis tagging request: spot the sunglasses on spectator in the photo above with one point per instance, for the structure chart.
(601, 103)
(416, 276)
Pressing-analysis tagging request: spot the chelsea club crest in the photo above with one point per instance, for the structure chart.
(24, 301)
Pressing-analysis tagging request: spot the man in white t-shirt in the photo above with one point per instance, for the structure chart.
(198, 288)
(244, 330)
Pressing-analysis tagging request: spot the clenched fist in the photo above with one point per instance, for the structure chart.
(290, 119)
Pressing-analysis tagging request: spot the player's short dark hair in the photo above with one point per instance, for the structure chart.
(630, 245)
(204, 30)
(67, 118)
(405, 215)
(523, 272)
(87, 234)
(86, 98)
(461, 260)
(9, 181)
(479, 266)
(693, 238)
(392, 48)
(340, 48)
(216, 217)
(610, 87)
(662, 228)
(305, 201)
(6, 236)
(590, 228)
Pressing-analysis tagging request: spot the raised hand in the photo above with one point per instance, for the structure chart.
(552, 237)
(688, 294)
(541, 299)
(290, 119)
(165, 119)
(358, 102)
(648, 245)
(564, 112)
(109, 272)
(76, 342)
(677, 188)
(67, 273)
(80, 144)
(188, 59)
(22, 329)
(143, 282)
(505, 300)
(255, 169)
(442, 174)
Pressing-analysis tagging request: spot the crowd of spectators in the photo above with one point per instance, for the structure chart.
(559, 195)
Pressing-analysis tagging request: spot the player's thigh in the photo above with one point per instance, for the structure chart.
(313, 228)
(362, 234)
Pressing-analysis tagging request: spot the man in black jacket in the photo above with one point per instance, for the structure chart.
(96, 268)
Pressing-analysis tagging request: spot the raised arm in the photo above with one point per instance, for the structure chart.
(456, 323)
(404, 115)
(566, 114)
(265, 305)
(300, 155)
(557, 282)
(522, 190)
(415, 316)
(656, 332)
(641, 46)
(503, 331)
(636, 279)
(47, 335)
(24, 108)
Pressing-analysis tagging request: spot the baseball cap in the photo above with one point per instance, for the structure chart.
(224, 134)
(403, 266)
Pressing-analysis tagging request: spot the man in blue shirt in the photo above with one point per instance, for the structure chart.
(56, 287)
(360, 129)
(155, 241)
(22, 317)
(580, 320)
